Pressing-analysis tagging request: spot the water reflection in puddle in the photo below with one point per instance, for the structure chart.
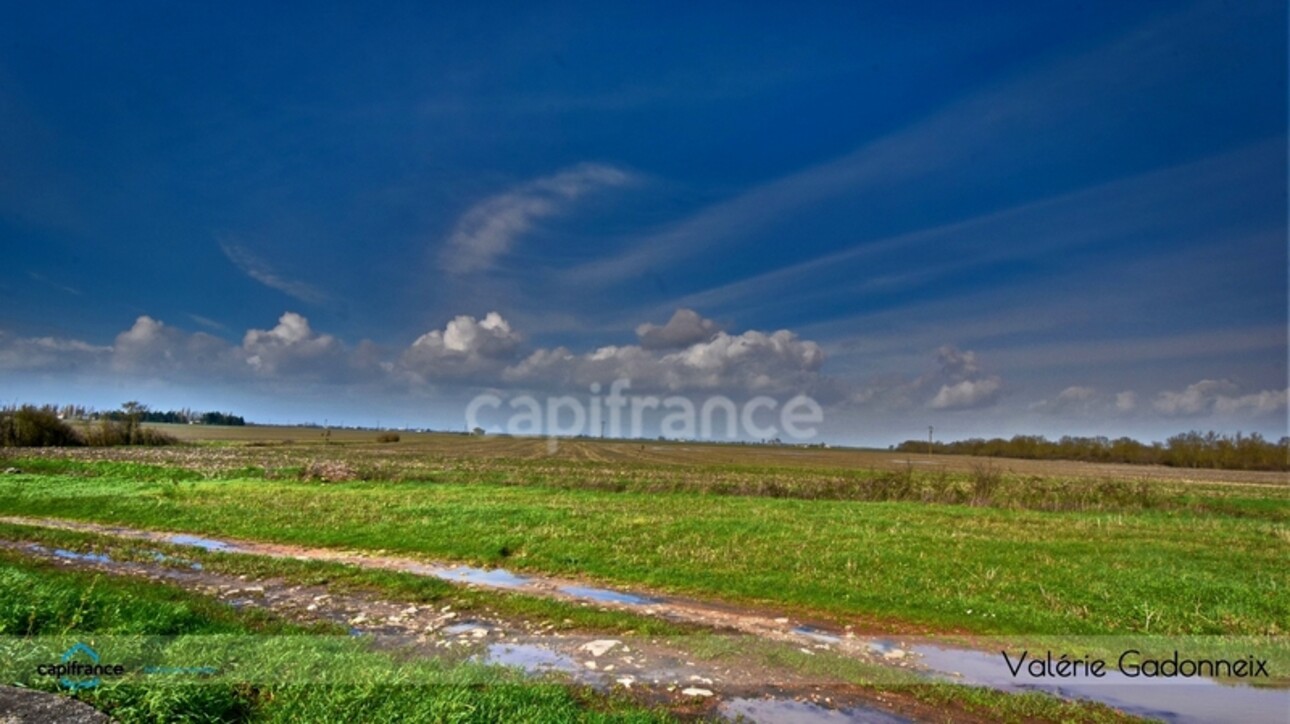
(1184, 701)
(529, 657)
(465, 627)
(209, 544)
(771, 711)
(604, 594)
(499, 577)
(73, 555)
(162, 558)
(817, 635)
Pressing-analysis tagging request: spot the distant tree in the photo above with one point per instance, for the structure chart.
(1187, 450)
(134, 412)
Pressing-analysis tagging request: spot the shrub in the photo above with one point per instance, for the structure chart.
(388, 437)
(31, 426)
(109, 433)
(985, 483)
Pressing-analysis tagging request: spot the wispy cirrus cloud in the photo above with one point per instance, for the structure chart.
(491, 227)
(57, 285)
(260, 270)
(945, 144)
(208, 322)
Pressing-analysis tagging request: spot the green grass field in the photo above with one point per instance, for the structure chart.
(868, 539)
(1160, 558)
(344, 680)
(332, 678)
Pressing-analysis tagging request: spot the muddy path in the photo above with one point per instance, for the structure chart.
(654, 671)
(658, 670)
(768, 625)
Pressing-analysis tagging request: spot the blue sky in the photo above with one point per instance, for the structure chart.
(1017, 218)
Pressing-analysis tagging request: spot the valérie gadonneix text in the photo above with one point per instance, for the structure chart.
(1131, 663)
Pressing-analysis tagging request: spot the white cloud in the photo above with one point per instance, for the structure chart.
(1267, 402)
(1076, 393)
(153, 346)
(1220, 397)
(685, 328)
(291, 346)
(467, 351)
(259, 270)
(688, 355)
(963, 384)
(465, 348)
(49, 353)
(489, 229)
(957, 364)
(967, 394)
(207, 322)
(1126, 401)
(1073, 399)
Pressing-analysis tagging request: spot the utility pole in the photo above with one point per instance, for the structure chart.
(929, 440)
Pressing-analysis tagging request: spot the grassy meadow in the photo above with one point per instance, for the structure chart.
(942, 546)
(125, 618)
(885, 542)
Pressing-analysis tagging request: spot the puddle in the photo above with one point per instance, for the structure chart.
(209, 544)
(531, 658)
(1183, 701)
(465, 627)
(604, 594)
(772, 711)
(73, 555)
(499, 577)
(882, 646)
(162, 558)
(817, 635)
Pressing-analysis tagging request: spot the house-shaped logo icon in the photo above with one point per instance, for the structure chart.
(71, 654)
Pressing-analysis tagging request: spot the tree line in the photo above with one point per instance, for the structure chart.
(1186, 450)
(185, 416)
(50, 425)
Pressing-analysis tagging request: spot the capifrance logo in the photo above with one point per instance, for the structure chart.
(80, 667)
(620, 415)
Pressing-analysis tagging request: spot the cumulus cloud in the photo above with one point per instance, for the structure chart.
(49, 354)
(1221, 397)
(957, 364)
(489, 229)
(150, 345)
(466, 347)
(259, 270)
(291, 351)
(1126, 401)
(687, 353)
(1073, 399)
(291, 347)
(685, 328)
(751, 362)
(1267, 402)
(967, 394)
(963, 385)
(958, 381)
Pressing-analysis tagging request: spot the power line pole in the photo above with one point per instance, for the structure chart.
(929, 440)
